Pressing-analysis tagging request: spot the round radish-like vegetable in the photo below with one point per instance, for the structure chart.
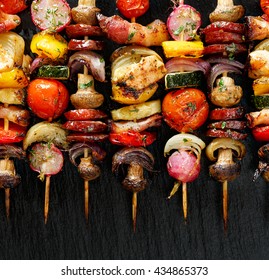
(183, 166)
(52, 15)
(183, 22)
(46, 159)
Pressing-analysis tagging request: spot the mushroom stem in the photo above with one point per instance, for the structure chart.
(134, 209)
(47, 196)
(225, 204)
(90, 3)
(7, 202)
(184, 201)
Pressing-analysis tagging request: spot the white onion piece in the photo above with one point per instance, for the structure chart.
(183, 139)
(11, 51)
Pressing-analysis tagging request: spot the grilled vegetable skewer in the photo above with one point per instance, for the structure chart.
(184, 164)
(225, 169)
(45, 157)
(14, 118)
(86, 122)
(136, 158)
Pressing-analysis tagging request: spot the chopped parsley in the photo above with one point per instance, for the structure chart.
(130, 36)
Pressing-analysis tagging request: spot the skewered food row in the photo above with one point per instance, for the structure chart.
(86, 124)
(14, 117)
(185, 108)
(135, 73)
(225, 119)
(130, 87)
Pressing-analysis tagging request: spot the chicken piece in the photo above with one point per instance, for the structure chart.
(258, 118)
(123, 32)
(257, 28)
(139, 125)
(140, 75)
(226, 93)
(258, 64)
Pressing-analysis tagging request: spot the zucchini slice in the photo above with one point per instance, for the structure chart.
(260, 101)
(58, 72)
(184, 79)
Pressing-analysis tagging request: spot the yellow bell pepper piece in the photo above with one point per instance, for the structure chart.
(15, 78)
(261, 86)
(183, 48)
(51, 45)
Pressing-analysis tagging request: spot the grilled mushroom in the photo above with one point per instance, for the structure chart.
(225, 169)
(137, 159)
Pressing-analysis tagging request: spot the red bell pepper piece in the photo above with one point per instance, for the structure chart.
(261, 133)
(14, 134)
(132, 138)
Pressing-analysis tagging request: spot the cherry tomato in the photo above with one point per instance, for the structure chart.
(261, 133)
(47, 98)
(14, 134)
(132, 8)
(185, 110)
(132, 138)
(13, 6)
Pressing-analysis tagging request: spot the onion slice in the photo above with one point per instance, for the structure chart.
(12, 151)
(236, 146)
(78, 149)
(223, 60)
(219, 69)
(93, 61)
(128, 155)
(184, 140)
(177, 64)
(11, 51)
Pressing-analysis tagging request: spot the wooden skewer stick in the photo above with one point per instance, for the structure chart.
(134, 209)
(7, 201)
(7, 190)
(47, 197)
(86, 191)
(225, 204)
(184, 201)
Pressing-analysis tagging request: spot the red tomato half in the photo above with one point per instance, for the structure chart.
(48, 99)
(132, 8)
(185, 110)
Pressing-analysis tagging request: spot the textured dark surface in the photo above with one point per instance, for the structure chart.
(161, 232)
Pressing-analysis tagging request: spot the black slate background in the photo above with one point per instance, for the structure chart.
(161, 232)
